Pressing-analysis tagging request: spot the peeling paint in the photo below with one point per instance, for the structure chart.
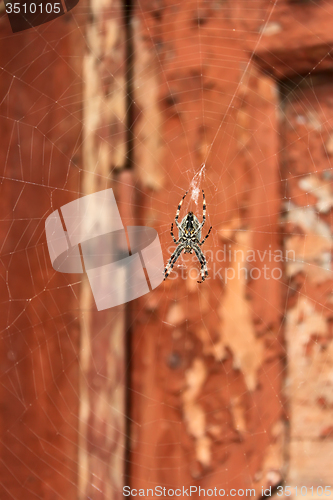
(149, 150)
(216, 349)
(194, 414)
(311, 246)
(310, 365)
(176, 315)
(329, 145)
(237, 411)
(319, 188)
(237, 328)
(270, 29)
(310, 379)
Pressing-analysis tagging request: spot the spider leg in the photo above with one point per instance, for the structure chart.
(203, 263)
(178, 209)
(174, 239)
(203, 241)
(203, 209)
(172, 260)
(203, 213)
(171, 263)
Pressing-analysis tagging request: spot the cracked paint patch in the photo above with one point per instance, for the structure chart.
(309, 388)
(237, 329)
(311, 244)
(194, 414)
(238, 416)
(273, 466)
(321, 189)
(310, 373)
(149, 150)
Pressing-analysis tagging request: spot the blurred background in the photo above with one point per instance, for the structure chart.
(225, 384)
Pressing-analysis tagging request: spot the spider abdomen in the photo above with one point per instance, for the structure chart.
(188, 229)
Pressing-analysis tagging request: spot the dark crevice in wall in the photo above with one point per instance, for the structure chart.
(128, 14)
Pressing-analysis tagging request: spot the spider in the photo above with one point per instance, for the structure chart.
(189, 236)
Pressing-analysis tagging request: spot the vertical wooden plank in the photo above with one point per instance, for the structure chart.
(40, 127)
(307, 150)
(207, 369)
(102, 384)
(297, 54)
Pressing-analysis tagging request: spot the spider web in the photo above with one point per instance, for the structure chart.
(228, 383)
